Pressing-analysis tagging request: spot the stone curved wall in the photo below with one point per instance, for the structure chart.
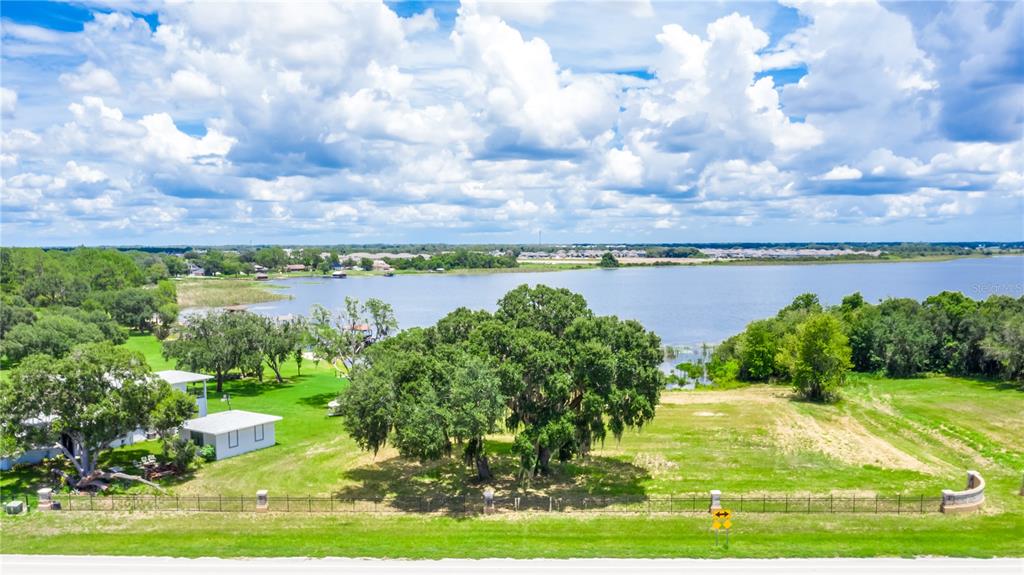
(970, 499)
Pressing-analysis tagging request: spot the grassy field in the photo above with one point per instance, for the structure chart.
(214, 292)
(912, 437)
(525, 536)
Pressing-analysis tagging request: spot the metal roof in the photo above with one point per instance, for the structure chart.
(173, 376)
(225, 421)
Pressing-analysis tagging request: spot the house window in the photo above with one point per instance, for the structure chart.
(233, 438)
(258, 431)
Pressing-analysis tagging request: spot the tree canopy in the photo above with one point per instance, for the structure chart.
(899, 337)
(83, 402)
(608, 260)
(543, 366)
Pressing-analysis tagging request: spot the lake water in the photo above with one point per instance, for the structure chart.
(685, 305)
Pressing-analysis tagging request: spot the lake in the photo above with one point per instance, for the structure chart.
(685, 305)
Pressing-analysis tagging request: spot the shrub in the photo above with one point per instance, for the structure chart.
(208, 453)
(182, 452)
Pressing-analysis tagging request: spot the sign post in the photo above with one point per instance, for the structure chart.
(721, 519)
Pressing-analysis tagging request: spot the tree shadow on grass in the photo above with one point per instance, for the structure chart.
(449, 486)
(319, 400)
(251, 387)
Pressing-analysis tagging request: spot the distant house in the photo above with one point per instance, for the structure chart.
(295, 267)
(258, 268)
(381, 265)
(194, 270)
(232, 432)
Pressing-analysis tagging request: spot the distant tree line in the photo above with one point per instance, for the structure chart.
(899, 337)
(458, 259)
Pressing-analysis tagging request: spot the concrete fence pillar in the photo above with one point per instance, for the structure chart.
(45, 499)
(716, 500)
(262, 501)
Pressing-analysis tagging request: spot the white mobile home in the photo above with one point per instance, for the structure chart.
(232, 432)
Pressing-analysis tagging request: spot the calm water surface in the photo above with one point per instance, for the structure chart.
(685, 305)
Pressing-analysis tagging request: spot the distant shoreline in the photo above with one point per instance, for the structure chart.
(199, 293)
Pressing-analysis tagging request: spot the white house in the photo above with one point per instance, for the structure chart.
(232, 432)
(189, 383)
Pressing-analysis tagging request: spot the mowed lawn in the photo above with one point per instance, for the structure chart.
(912, 437)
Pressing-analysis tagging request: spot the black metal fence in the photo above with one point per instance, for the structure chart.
(468, 505)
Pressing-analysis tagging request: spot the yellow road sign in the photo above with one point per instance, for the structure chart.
(716, 525)
(721, 514)
(727, 524)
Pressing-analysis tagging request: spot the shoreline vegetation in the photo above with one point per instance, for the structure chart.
(221, 292)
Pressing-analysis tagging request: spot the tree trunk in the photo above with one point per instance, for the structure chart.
(483, 468)
(220, 381)
(277, 371)
(93, 479)
(543, 461)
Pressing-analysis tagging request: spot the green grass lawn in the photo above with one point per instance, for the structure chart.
(912, 437)
(526, 536)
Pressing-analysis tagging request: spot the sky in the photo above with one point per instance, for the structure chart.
(480, 122)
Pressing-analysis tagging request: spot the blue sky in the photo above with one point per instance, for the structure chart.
(627, 121)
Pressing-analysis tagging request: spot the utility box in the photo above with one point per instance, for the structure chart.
(716, 500)
(15, 507)
(45, 499)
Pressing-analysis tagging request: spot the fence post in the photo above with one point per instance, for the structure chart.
(808, 503)
(921, 509)
(764, 503)
(831, 508)
(549, 503)
(741, 502)
(309, 503)
(787, 503)
(876, 503)
(899, 502)
(854, 503)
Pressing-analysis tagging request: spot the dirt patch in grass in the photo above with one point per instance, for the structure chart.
(845, 439)
(752, 394)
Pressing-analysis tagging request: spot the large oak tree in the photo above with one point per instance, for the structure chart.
(543, 364)
(83, 402)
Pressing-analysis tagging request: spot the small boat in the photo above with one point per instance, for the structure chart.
(389, 274)
(338, 274)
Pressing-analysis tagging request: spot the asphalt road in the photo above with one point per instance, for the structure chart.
(47, 564)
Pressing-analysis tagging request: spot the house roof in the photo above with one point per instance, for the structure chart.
(225, 421)
(173, 376)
